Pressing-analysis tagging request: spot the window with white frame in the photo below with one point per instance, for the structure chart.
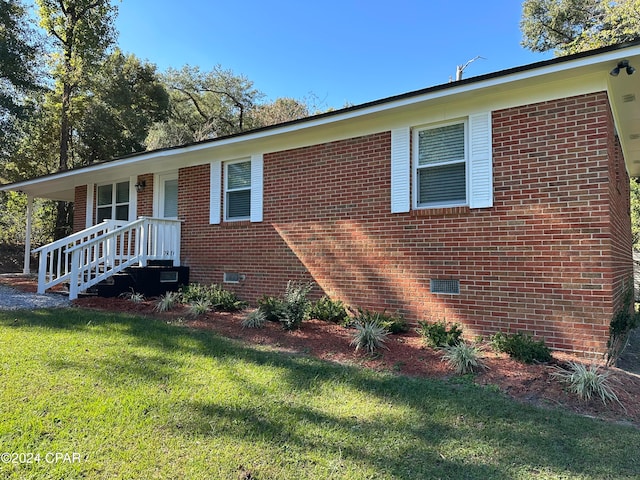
(440, 166)
(112, 201)
(238, 190)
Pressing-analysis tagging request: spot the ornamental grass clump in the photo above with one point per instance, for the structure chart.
(369, 336)
(587, 382)
(463, 358)
(133, 297)
(167, 302)
(199, 307)
(255, 319)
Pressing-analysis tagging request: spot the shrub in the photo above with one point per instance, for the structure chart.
(296, 305)
(199, 307)
(272, 307)
(217, 297)
(167, 302)
(521, 346)
(369, 336)
(438, 335)
(255, 319)
(625, 319)
(391, 323)
(329, 310)
(587, 382)
(463, 358)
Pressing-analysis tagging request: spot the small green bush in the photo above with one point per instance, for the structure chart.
(463, 358)
(438, 335)
(587, 382)
(369, 336)
(272, 307)
(329, 310)
(521, 347)
(217, 297)
(255, 319)
(391, 323)
(296, 305)
(625, 319)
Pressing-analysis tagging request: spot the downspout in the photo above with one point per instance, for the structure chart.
(27, 238)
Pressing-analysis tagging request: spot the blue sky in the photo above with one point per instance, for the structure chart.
(336, 50)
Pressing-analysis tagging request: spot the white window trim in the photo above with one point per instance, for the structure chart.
(241, 189)
(415, 166)
(131, 203)
(89, 210)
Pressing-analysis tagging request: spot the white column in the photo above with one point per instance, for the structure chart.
(27, 238)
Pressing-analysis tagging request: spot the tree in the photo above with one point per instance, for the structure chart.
(126, 98)
(83, 31)
(19, 66)
(203, 105)
(280, 111)
(570, 26)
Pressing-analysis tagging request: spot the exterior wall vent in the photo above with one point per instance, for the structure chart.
(451, 287)
(232, 277)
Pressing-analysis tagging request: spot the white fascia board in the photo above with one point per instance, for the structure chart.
(263, 141)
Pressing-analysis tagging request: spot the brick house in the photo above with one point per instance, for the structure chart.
(500, 202)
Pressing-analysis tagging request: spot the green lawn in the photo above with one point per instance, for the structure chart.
(137, 398)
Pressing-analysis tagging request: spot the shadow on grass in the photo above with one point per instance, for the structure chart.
(450, 431)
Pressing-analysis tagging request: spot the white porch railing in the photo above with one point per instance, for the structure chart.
(89, 259)
(54, 263)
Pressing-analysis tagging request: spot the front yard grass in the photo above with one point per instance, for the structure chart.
(134, 397)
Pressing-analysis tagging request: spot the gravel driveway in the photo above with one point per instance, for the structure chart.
(11, 299)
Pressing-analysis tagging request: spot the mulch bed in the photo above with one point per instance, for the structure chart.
(405, 354)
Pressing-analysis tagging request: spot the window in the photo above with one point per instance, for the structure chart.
(440, 166)
(238, 190)
(113, 202)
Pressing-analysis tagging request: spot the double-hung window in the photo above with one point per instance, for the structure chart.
(440, 166)
(113, 202)
(238, 190)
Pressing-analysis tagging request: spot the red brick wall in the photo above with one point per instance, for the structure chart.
(80, 209)
(548, 258)
(145, 197)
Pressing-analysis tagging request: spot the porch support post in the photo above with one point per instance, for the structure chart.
(27, 238)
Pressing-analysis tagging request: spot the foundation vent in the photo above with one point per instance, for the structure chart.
(232, 277)
(451, 287)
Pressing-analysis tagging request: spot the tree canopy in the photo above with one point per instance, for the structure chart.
(571, 26)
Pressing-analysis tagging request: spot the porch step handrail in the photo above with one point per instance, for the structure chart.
(54, 263)
(136, 242)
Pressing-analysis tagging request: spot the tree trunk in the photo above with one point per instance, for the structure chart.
(64, 220)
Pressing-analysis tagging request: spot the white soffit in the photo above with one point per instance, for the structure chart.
(500, 90)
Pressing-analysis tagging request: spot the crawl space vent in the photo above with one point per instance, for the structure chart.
(231, 277)
(445, 286)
